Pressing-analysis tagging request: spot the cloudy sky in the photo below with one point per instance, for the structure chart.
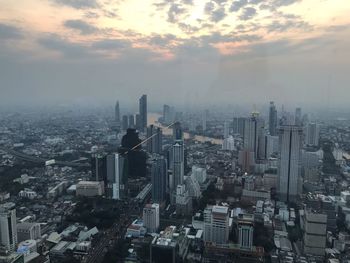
(181, 52)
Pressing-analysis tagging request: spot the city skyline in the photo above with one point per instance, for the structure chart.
(195, 52)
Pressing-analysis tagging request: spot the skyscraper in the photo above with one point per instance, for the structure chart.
(216, 224)
(155, 138)
(226, 129)
(151, 217)
(312, 134)
(125, 122)
(273, 119)
(117, 113)
(131, 121)
(253, 133)
(143, 112)
(159, 175)
(8, 226)
(245, 231)
(178, 163)
(298, 117)
(177, 131)
(289, 177)
(238, 125)
(116, 178)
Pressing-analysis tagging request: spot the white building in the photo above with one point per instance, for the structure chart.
(216, 224)
(289, 165)
(27, 193)
(89, 188)
(200, 174)
(151, 217)
(26, 231)
(8, 226)
(312, 134)
(229, 144)
(115, 176)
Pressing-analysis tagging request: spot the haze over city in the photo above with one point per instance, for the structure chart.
(184, 52)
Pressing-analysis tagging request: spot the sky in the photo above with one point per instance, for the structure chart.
(182, 52)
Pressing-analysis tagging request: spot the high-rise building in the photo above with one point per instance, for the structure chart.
(204, 120)
(116, 179)
(238, 125)
(226, 129)
(159, 175)
(8, 226)
(99, 168)
(27, 230)
(177, 131)
(138, 123)
(228, 144)
(312, 134)
(253, 133)
(216, 224)
(315, 232)
(298, 117)
(117, 113)
(151, 217)
(143, 112)
(289, 163)
(155, 139)
(245, 223)
(178, 163)
(168, 114)
(273, 119)
(131, 121)
(125, 122)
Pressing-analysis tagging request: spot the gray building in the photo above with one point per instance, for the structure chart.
(8, 226)
(159, 175)
(143, 112)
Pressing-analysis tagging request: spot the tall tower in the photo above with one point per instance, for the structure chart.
(159, 175)
(116, 178)
(151, 217)
(289, 178)
(226, 129)
(178, 163)
(216, 224)
(143, 112)
(298, 117)
(177, 131)
(273, 119)
(312, 134)
(117, 113)
(253, 133)
(8, 226)
(155, 137)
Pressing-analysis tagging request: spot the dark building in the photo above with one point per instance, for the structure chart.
(238, 125)
(143, 112)
(98, 168)
(273, 119)
(177, 131)
(155, 140)
(159, 175)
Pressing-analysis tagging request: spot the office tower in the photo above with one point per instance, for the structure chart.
(315, 232)
(8, 226)
(183, 201)
(216, 224)
(125, 122)
(253, 133)
(273, 119)
(27, 230)
(159, 175)
(238, 125)
(177, 131)
(271, 145)
(116, 178)
(143, 112)
(245, 223)
(204, 120)
(226, 129)
(229, 144)
(289, 168)
(99, 168)
(155, 139)
(298, 117)
(138, 122)
(131, 121)
(168, 114)
(312, 134)
(151, 217)
(117, 113)
(178, 163)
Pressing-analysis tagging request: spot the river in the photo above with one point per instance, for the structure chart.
(153, 119)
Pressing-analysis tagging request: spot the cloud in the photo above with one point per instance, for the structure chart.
(279, 3)
(81, 26)
(111, 44)
(9, 32)
(209, 7)
(237, 5)
(282, 26)
(65, 47)
(78, 4)
(218, 15)
(174, 11)
(248, 13)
